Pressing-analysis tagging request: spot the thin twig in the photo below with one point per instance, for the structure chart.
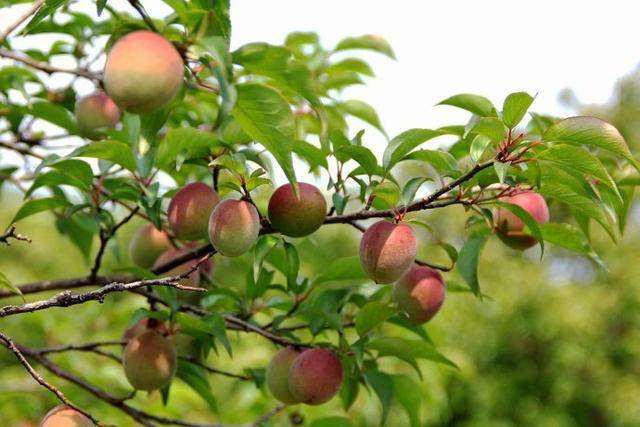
(11, 234)
(46, 67)
(30, 11)
(105, 236)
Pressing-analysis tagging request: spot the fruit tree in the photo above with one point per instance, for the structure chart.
(227, 156)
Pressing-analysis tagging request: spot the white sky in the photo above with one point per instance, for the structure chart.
(488, 47)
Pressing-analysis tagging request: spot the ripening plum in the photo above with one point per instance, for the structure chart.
(419, 293)
(194, 278)
(277, 376)
(233, 227)
(190, 209)
(509, 226)
(95, 112)
(297, 216)
(149, 361)
(143, 325)
(147, 244)
(65, 416)
(315, 376)
(143, 72)
(387, 251)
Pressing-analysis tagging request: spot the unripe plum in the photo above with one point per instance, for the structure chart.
(510, 227)
(143, 325)
(147, 244)
(190, 209)
(233, 227)
(192, 279)
(419, 294)
(149, 361)
(315, 376)
(65, 416)
(277, 376)
(297, 216)
(95, 112)
(143, 72)
(387, 251)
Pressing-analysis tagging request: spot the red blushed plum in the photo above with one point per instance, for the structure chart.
(194, 278)
(315, 376)
(65, 416)
(149, 361)
(297, 216)
(143, 72)
(190, 209)
(147, 244)
(387, 251)
(95, 112)
(233, 227)
(510, 227)
(277, 375)
(419, 294)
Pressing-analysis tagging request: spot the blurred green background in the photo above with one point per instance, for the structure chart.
(557, 343)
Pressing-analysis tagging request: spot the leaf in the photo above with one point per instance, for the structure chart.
(363, 156)
(196, 378)
(566, 236)
(382, 385)
(490, 127)
(261, 249)
(478, 147)
(364, 112)
(590, 131)
(266, 116)
(476, 104)
(351, 64)
(54, 179)
(527, 219)
(188, 141)
(372, 315)
(35, 206)
(408, 350)
(411, 188)
(293, 265)
(405, 392)
(311, 154)
(332, 422)
(5, 283)
(347, 268)
(367, 42)
(443, 162)
(55, 114)
(406, 142)
(515, 107)
(49, 8)
(113, 151)
(468, 262)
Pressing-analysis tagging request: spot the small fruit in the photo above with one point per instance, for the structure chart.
(315, 376)
(142, 326)
(147, 244)
(510, 227)
(233, 227)
(277, 376)
(65, 416)
(95, 112)
(190, 209)
(387, 251)
(420, 293)
(297, 216)
(143, 72)
(149, 361)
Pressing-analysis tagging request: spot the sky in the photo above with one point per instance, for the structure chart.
(488, 47)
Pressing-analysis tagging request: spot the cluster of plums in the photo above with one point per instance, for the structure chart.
(143, 73)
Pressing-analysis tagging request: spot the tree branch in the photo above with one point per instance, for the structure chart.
(11, 234)
(48, 68)
(30, 11)
(104, 239)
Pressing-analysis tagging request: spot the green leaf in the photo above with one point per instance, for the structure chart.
(311, 154)
(515, 107)
(35, 206)
(364, 112)
(387, 195)
(443, 162)
(476, 104)
(56, 114)
(196, 378)
(382, 385)
(405, 392)
(408, 350)
(266, 116)
(263, 246)
(478, 147)
(190, 142)
(48, 8)
(53, 179)
(372, 315)
(347, 268)
(355, 65)
(293, 265)
(468, 262)
(332, 422)
(5, 283)
(590, 131)
(113, 151)
(527, 219)
(404, 143)
(490, 127)
(362, 155)
(411, 188)
(367, 42)
(566, 236)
